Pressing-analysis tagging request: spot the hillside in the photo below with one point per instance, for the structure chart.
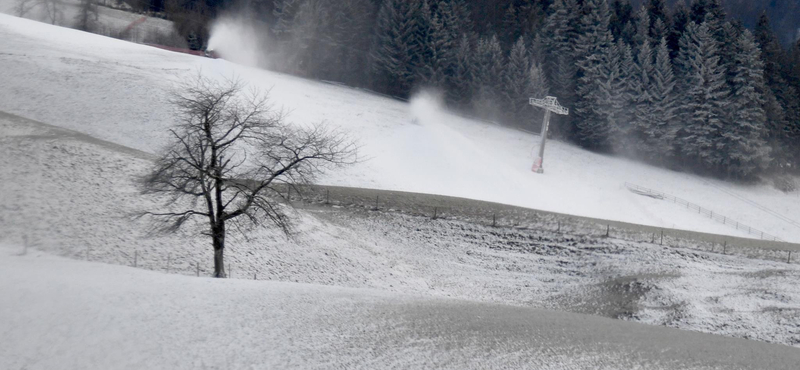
(783, 15)
(81, 315)
(72, 195)
(110, 21)
(117, 91)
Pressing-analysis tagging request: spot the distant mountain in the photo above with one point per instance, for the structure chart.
(784, 15)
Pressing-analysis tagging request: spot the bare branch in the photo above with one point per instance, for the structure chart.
(227, 151)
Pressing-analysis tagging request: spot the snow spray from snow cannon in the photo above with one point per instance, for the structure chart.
(549, 104)
(237, 40)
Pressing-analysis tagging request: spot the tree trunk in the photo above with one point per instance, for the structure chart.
(219, 263)
(219, 249)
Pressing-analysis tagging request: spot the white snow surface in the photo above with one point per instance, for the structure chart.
(116, 91)
(71, 195)
(109, 20)
(66, 314)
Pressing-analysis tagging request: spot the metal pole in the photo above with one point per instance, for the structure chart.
(539, 164)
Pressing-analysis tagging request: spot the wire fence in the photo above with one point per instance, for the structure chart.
(377, 204)
(507, 216)
(703, 211)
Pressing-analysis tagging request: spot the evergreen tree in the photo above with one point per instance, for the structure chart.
(436, 46)
(517, 80)
(746, 151)
(559, 34)
(658, 31)
(657, 10)
(353, 22)
(462, 82)
(488, 99)
(728, 48)
(454, 16)
(512, 25)
(698, 11)
(680, 18)
(644, 115)
(621, 16)
(661, 135)
(642, 35)
(614, 97)
(395, 50)
(460, 22)
(781, 106)
(312, 39)
(705, 98)
(537, 87)
(284, 12)
(630, 87)
(593, 47)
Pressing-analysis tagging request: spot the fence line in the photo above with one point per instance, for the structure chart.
(435, 207)
(502, 215)
(703, 211)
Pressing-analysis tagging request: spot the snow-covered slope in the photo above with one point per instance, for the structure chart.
(71, 195)
(109, 20)
(66, 314)
(115, 91)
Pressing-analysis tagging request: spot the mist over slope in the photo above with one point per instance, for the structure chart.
(117, 91)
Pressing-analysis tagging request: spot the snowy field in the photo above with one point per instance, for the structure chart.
(109, 20)
(72, 195)
(359, 288)
(115, 91)
(66, 314)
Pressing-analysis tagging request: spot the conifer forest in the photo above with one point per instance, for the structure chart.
(708, 86)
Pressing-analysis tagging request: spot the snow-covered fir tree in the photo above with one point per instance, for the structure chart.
(437, 56)
(559, 34)
(661, 135)
(644, 115)
(743, 138)
(705, 100)
(490, 65)
(462, 82)
(592, 46)
(517, 80)
(642, 23)
(629, 89)
(680, 18)
(395, 49)
(613, 97)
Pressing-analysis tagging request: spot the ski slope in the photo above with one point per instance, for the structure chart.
(117, 91)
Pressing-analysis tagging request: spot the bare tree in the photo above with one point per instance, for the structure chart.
(229, 151)
(52, 9)
(86, 19)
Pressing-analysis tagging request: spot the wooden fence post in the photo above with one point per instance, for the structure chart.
(169, 262)
(135, 258)
(725, 248)
(789, 260)
(494, 219)
(608, 230)
(662, 236)
(197, 267)
(327, 196)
